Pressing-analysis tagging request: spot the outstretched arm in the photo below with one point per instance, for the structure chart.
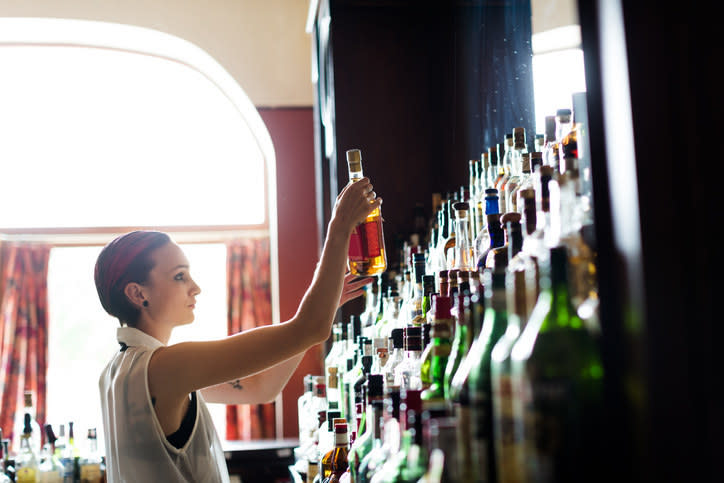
(179, 369)
(266, 385)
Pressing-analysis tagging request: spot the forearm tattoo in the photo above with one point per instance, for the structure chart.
(236, 384)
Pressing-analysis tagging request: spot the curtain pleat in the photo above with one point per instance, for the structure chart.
(249, 306)
(23, 329)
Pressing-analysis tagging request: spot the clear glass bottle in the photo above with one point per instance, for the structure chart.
(397, 355)
(482, 241)
(407, 373)
(508, 203)
(27, 460)
(557, 377)
(550, 146)
(505, 149)
(90, 463)
(522, 182)
(50, 469)
(473, 187)
(18, 428)
(367, 254)
(464, 251)
(448, 248)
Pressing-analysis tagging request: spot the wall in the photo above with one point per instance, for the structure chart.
(262, 43)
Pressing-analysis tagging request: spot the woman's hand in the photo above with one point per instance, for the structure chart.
(353, 287)
(354, 203)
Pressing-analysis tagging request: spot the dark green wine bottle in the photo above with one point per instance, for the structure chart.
(480, 384)
(557, 380)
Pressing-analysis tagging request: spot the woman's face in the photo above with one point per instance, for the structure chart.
(171, 292)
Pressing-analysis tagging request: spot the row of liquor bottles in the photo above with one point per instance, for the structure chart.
(479, 359)
(35, 455)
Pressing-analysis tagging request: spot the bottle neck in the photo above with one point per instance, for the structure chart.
(355, 175)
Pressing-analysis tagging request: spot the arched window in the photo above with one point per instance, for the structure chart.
(107, 128)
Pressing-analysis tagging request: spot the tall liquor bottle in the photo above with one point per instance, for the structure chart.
(339, 455)
(26, 463)
(480, 384)
(508, 443)
(367, 245)
(557, 380)
(19, 428)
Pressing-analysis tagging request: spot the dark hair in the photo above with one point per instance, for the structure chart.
(125, 260)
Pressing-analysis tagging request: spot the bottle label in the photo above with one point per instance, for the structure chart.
(90, 473)
(312, 472)
(464, 435)
(481, 445)
(366, 241)
(25, 474)
(508, 444)
(545, 422)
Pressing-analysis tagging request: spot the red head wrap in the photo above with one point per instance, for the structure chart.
(113, 267)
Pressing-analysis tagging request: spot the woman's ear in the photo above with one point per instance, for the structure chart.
(134, 292)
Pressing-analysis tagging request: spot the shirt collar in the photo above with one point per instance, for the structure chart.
(133, 337)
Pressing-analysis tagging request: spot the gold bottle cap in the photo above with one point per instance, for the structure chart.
(527, 193)
(354, 159)
(485, 160)
(519, 137)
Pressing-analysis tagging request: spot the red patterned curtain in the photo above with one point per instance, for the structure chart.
(23, 329)
(249, 298)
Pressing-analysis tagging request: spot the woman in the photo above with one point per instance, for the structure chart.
(157, 427)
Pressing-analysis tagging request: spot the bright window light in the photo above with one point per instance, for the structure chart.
(82, 336)
(96, 137)
(558, 71)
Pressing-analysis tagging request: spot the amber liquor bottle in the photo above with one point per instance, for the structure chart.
(367, 245)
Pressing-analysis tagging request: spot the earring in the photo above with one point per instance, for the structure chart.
(145, 303)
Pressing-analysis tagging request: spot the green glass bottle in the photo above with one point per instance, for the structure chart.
(426, 356)
(440, 350)
(460, 344)
(365, 441)
(557, 379)
(480, 385)
(459, 398)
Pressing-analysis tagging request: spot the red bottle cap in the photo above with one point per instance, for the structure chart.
(442, 306)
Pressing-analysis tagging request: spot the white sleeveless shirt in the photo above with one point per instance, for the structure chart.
(136, 448)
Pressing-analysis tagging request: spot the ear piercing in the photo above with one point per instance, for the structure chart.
(145, 303)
